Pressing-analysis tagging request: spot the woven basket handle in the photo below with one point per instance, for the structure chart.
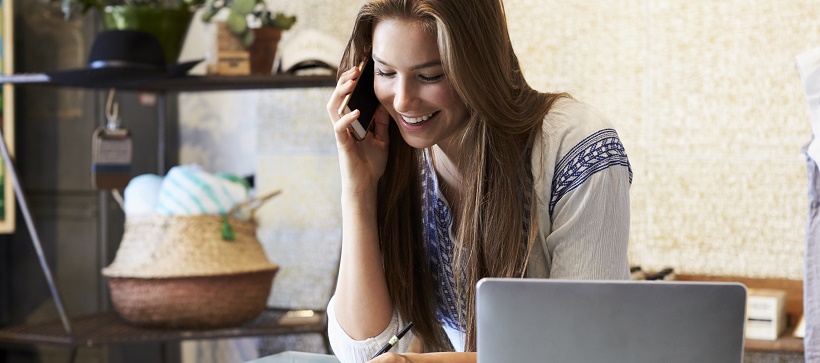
(254, 202)
(227, 232)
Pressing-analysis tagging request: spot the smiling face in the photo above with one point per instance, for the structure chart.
(410, 83)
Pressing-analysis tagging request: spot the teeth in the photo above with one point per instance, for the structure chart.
(415, 120)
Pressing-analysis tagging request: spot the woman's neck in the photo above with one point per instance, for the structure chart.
(449, 178)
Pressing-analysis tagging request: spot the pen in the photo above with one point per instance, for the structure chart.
(392, 342)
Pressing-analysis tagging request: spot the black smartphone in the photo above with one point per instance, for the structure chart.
(363, 98)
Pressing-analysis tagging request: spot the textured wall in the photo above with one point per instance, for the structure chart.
(707, 100)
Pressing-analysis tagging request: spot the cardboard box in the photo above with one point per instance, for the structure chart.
(228, 55)
(232, 64)
(765, 314)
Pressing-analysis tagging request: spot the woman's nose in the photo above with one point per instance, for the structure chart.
(405, 99)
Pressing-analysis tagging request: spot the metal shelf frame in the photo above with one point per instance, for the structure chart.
(107, 327)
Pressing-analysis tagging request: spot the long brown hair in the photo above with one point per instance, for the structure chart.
(493, 235)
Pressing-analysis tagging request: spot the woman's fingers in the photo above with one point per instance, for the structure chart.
(335, 101)
(341, 125)
(349, 74)
(344, 86)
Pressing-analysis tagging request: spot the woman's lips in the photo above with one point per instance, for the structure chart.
(415, 121)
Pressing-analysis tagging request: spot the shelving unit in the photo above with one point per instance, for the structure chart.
(162, 87)
(107, 327)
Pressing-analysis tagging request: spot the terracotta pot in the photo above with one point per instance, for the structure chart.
(263, 49)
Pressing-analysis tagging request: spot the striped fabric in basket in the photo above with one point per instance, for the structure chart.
(187, 190)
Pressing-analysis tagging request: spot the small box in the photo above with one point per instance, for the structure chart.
(232, 64)
(226, 54)
(765, 314)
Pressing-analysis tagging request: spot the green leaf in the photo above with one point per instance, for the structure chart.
(278, 20)
(247, 39)
(228, 233)
(209, 10)
(236, 23)
(207, 15)
(243, 7)
(283, 21)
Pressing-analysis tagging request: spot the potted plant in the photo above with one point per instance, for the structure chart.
(167, 20)
(238, 13)
(262, 41)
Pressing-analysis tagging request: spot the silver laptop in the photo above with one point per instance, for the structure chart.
(563, 321)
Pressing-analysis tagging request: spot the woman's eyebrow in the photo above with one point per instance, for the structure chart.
(429, 64)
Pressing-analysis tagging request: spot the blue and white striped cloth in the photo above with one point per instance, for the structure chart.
(188, 190)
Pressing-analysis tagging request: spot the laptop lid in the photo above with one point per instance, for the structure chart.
(569, 321)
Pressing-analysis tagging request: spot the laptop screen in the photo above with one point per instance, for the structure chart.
(543, 320)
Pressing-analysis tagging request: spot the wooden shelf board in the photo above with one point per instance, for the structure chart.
(108, 328)
(786, 343)
(195, 83)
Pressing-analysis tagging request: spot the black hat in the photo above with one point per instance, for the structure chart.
(122, 58)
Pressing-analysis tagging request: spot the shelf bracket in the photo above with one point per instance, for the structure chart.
(35, 238)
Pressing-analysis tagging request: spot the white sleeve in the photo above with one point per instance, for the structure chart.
(348, 350)
(590, 229)
(583, 185)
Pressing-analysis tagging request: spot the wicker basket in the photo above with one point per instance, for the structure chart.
(191, 302)
(179, 272)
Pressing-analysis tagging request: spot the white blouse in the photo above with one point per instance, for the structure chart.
(582, 178)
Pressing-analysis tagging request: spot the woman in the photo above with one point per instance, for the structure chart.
(468, 173)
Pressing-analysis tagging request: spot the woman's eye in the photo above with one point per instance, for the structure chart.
(384, 74)
(431, 79)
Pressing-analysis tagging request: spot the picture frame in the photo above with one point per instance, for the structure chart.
(7, 202)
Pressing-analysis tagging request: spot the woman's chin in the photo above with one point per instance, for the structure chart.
(417, 135)
(416, 141)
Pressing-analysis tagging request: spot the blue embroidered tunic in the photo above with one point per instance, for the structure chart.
(440, 245)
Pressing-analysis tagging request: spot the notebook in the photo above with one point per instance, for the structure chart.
(563, 321)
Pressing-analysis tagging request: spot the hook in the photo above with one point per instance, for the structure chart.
(112, 111)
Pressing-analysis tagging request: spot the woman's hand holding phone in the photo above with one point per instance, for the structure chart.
(362, 162)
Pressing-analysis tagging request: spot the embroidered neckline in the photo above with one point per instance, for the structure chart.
(440, 247)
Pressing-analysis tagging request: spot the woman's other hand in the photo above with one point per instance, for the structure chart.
(362, 162)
